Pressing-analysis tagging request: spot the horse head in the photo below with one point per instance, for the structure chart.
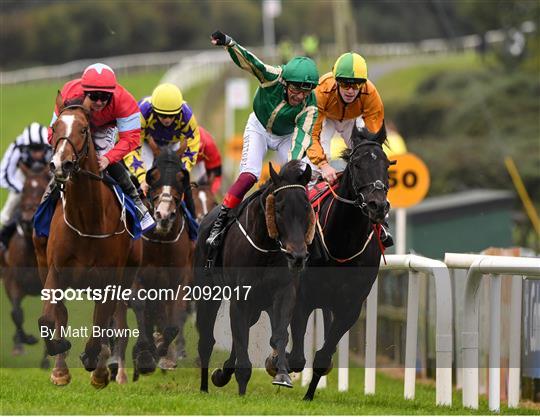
(166, 181)
(34, 186)
(204, 200)
(289, 216)
(70, 137)
(367, 172)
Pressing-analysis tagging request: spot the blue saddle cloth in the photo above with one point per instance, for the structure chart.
(45, 211)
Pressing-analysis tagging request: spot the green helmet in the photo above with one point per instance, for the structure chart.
(350, 67)
(301, 70)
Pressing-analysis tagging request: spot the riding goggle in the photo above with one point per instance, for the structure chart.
(166, 116)
(355, 85)
(297, 88)
(99, 95)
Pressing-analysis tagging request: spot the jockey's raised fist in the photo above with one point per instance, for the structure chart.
(220, 39)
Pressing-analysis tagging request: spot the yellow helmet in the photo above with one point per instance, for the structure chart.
(167, 99)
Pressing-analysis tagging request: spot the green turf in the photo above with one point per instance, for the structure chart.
(27, 390)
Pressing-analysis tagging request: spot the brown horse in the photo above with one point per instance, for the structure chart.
(166, 266)
(88, 246)
(21, 277)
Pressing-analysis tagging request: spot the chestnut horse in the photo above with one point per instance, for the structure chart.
(89, 245)
(166, 267)
(21, 277)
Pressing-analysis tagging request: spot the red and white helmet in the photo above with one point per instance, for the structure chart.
(98, 77)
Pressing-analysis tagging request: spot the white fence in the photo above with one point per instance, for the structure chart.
(477, 266)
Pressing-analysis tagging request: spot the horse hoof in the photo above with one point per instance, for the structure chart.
(100, 381)
(29, 339)
(121, 378)
(219, 378)
(166, 364)
(18, 350)
(89, 364)
(283, 380)
(308, 397)
(60, 377)
(146, 363)
(181, 354)
(270, 365)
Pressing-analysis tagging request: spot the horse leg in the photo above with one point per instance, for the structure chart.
(297, 360)
(281, 316)
(103, 313)
(322, 363)
(47, 321)
(180, 340)
(15, 296)
(100, 377)
(143, 358)
(166, 349)
(45, 363)
(206, 318)
(117, 363)
(60, 374)
(240, 333)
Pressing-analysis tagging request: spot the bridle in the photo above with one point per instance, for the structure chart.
(359, 190)
(246, 235)
(79, 155)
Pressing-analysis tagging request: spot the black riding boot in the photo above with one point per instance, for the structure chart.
(214, 239)
(121, 176)
(386, 238)
(6, 232)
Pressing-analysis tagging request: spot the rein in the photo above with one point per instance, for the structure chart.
(246, 235)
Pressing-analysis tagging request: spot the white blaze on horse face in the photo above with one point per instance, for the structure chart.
(68, 120)
(202, 197)
(164, 206)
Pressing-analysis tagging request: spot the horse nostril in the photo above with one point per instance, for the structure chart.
(52, 166)
(372, 206)
(157, 215)
(67, 166)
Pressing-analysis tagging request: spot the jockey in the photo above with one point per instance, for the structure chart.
(31, 149)
(113, 110)
(208, 165)
(166, 121)
(343, 95)
(284, 112)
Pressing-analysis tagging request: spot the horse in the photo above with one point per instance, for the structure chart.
(340, 278)
(204, 199)
(166, 265)
(260, 260)
(88, 246)
(22, 277)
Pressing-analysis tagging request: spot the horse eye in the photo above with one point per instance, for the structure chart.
(84, 130)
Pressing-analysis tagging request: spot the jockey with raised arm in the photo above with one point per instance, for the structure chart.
(343, 95)
(166, 121)
(284, 112)
(112, 110)
(31, 149)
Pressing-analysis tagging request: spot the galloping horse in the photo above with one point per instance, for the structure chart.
(260, 260)
(340, 280)
(166, 265)
(88, 245)
(21, 277)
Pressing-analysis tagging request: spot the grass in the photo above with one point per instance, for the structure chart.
(27, 390)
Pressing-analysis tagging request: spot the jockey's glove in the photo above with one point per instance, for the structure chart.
(221, 38)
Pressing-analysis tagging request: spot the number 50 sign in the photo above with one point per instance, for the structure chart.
(409, 181)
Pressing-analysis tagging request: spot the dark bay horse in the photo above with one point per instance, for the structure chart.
(166, 265)
(339, 280)
(260, 260)
(88, 245)
(21, 274)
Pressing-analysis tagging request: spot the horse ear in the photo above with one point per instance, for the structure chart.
(273, 174)
(59, 102)
(358, 133)
(180, 177)
(380, 136)
(306, 175)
